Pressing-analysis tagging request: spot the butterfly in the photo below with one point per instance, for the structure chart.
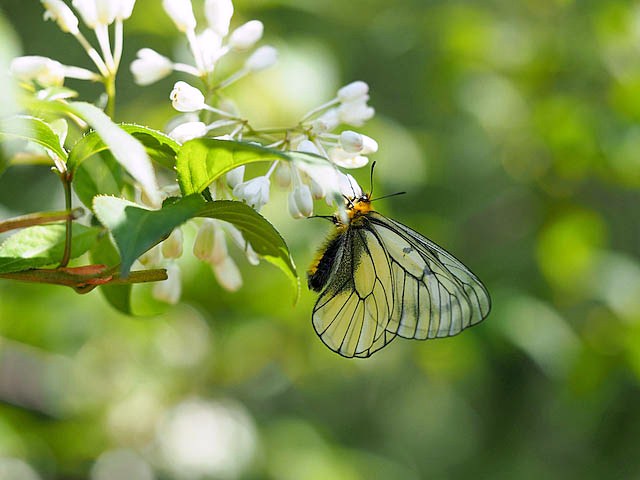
(378, 280)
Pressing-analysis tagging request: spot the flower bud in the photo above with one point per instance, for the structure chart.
(44, 71)
(301, 202)
(227, 274)
(172, 246)
(283, 174)
(210, 46)
(242, 244)
(254, 192)
(235, 176)
(150, 67)
(347, 159)
(246, 35)
(307, 146)
(220, 251)
(151, 257)
(125, 9)
(317, 191)
(96, 12)
(186, 98)
(263, 57)
(348, 186)
(169, 291)
(351, 142)
(219, 13)
(181, 12)
(328, 121)
(369, 145)
(353, 91)
(188, 131)
(59, 12)
(205, 239)
(355, 113)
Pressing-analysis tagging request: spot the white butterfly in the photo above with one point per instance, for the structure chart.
(379, 279)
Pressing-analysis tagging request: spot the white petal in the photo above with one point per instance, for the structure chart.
(58, 11)
(188, 131)
(186, 98)
(172, 246)
(219, 13)
(263, 57)
(228, 274)
(353, 91)
(169, 290)
(246, 35)
(181, 12)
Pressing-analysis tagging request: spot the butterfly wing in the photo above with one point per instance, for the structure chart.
(353, 311)
(434, 294)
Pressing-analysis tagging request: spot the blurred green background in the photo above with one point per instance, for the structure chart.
(514, 128)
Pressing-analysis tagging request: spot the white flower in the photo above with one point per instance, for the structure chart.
(59, 12)
(354, 91)
(205, 240)
(316, 190)
(355, 113)
(186, 98)
(219, 13)
(97, 12)
(219, 249)
(347, 159)
(169, 291)
(210, 46)
(241, 243)
(301, 202)
(181, 12)
(325, 176)
(125, 9)
(263, 57)
(307, 146)
(328, 121)
(283, 174)
(150, 67)
(235, 176)
(172, 246)
(46, 72)
(351, 141)
(246, 35)
(227, 274)
(188, 131)
(369, 145)
(254, 192)
(151, 257)
(348, 186)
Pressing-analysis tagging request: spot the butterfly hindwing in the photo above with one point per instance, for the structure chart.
(352, 312)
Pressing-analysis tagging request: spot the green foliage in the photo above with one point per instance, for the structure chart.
(202, 161)
(43, 245)
(27, 128)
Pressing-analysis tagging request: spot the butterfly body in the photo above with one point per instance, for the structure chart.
(379, 279)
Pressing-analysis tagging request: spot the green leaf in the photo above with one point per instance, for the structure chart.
(23, 127)
(136, 229)
(128, 152)
(101, 175)
(160, 147)
(118, 296)
(125, 149)
(261, 235)
(43, 245)
(203, 160)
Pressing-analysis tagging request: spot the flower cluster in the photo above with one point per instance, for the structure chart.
(97, 15)
(208, 46)
(317, 151)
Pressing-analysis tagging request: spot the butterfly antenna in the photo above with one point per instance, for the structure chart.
(387, 196)
(373, 165)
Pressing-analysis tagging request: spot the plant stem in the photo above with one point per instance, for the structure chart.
(40, 218)
(66, 183)
(110, 89)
